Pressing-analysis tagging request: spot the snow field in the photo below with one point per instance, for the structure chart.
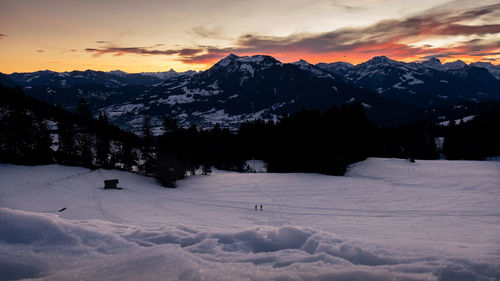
(388, 219)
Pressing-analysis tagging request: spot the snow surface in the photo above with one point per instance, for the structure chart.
(408, 77)
(388, 219)
(116, 111)
(457, 121)
(256, 166)
(245, 67)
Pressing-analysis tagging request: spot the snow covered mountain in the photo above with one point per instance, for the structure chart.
(165, 75)
(339, 68)
(315, 70)
(436, 64)
(493, 69)
(424, 84)
(112, 79)
(237, 89)
(456, 65)
(241, 88)
(234, 90)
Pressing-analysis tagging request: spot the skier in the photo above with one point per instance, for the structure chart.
(255, 207)
(261, 207)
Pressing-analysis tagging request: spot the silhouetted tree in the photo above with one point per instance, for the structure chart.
(475, 139)
(83, 109)
(102, 142)
(147, 150)
(128, 156)
(84, 144)
(43, 142)
(67, 144)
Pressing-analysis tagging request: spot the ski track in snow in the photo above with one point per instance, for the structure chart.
(387, 219)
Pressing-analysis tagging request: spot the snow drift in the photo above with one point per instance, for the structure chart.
(383, 230)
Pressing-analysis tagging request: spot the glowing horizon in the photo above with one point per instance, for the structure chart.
(155, 35)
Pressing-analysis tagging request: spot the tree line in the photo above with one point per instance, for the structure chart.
(33, 132)
(305, 141)
(308, 141)
(475, 139)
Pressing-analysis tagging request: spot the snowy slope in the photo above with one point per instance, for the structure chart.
(387, 220)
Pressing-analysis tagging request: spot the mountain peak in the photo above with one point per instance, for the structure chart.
(256, 59)
(118, 72)
(380, 60)
(458, 64)
(231, 56)
(301, 63)
(227, 60)
(482, 64)
(247, 65)
(433, 62)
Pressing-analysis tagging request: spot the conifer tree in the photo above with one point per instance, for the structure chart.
(83, 109)
(67, 144)
(128, 156)
(43, 142)
(102, 142)
(147, 150)
(84, 141)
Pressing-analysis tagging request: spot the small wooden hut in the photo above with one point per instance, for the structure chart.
(111, 184)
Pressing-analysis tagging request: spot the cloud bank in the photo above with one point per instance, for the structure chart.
(398, 38)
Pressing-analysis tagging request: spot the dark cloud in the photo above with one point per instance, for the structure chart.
(40, 51)
(118, 51)
(485, 54)
(102, 42)
(209, 55)
(447, 55)
(459, 29)
(2, 35)
(480, 48)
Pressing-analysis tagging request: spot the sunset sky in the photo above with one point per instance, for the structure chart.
(155, 35)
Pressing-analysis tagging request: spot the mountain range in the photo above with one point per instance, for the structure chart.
(237, 89)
